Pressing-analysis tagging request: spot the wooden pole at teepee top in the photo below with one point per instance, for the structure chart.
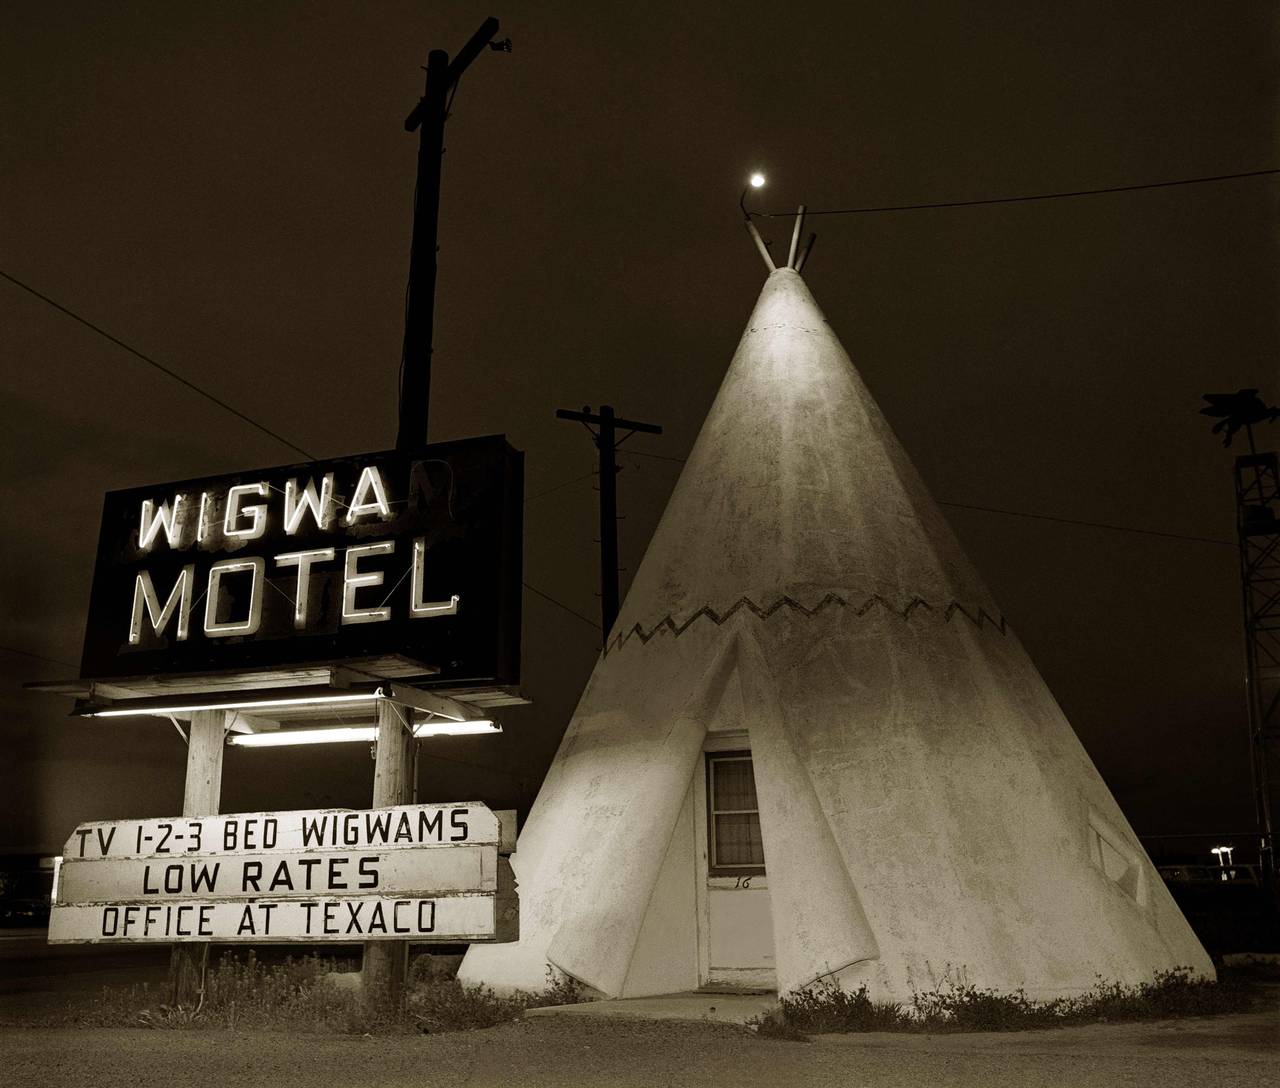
(795, 237)
(764, 249)
(804, 253)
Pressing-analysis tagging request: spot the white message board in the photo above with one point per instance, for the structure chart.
(319, 829)
(412, 872)
(447, 918)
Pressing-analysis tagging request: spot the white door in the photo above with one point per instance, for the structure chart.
(735, 942)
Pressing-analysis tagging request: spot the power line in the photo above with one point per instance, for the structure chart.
(572, 612)
(1025, 514)
(655, 456)
(1091, 524)
(1018, 199)
(235, 412)
(39, 657)
(152, 362)
(635, 453)
(558, 487)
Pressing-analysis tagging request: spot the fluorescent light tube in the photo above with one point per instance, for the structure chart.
(277, 738)
(449, 728)
(246, 704)
(332, 734)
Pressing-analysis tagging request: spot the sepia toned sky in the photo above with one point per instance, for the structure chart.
(228, 188)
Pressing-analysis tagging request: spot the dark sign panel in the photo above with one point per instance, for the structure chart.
(387, 553)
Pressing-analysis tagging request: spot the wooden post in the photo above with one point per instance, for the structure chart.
(201, 796)
(386, 962)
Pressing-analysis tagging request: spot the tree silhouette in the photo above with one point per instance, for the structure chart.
(1243, 408)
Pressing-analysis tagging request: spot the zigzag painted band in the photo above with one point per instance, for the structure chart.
(668, 623)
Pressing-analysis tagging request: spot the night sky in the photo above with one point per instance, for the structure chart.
(229, 189)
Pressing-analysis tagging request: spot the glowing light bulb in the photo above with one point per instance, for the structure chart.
(757, 181)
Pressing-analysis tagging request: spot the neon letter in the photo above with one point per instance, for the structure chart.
(179, 601)
(202, 523)
(352, 580)
(303, 561)
(296, 505)
(248, 626)
(370, 481)
(417, 606)
(153, 522)
(257, 511)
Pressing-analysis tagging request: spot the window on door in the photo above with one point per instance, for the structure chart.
(733, 816)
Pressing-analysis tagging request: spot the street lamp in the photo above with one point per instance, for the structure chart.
(755, 181)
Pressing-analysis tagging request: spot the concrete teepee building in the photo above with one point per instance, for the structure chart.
(813, 747)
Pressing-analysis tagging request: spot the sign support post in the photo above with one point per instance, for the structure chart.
(386, 963)
(202, 795)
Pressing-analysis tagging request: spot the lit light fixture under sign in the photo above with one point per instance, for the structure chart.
(245, 704)
(369, 733)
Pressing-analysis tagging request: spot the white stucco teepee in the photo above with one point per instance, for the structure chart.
(923, 808)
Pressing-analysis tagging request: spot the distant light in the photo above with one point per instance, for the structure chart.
(1220, 851)
(347, 733)
(757, 181)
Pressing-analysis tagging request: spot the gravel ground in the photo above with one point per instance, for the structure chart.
(1222, 1052)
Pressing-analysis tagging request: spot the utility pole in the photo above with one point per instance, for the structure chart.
(428, 117)
(607, 443)
(395, 768)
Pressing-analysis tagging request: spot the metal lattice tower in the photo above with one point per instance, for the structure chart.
(1258, 521)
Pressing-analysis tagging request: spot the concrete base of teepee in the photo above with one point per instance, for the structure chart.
(928, 816)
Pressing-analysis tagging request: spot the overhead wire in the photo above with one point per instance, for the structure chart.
(1016, 199)
(153, 363)
(39, 657)
(558, 487)
(1028, 514)
(632, 453)
(227, 407)
(559, 604)
(1090, 524)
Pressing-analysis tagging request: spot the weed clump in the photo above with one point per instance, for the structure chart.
(776, 1026)
(448, 1005)
(825, 1007)
(957, 1006)
(962, 1007)
(299, 995)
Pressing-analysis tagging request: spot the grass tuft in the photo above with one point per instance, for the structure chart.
(956, 1006)
(299, 995)
(448, 1005)
(825, 1007)
(775, 1025)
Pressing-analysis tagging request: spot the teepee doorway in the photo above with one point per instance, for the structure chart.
(735, 919)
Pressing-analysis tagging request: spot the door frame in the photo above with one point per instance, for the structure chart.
(728, 741)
